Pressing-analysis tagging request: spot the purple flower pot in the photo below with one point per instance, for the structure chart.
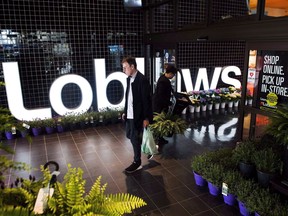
(199, 180)
(9, 135)
(230, 199)
(60, 128)
(49, 130)
(36, 131)
(214, 190)
(243, 210)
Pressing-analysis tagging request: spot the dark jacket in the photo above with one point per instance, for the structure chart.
(162, 95)
(142, 100)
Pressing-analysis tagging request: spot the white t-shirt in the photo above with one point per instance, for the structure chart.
(130, 114)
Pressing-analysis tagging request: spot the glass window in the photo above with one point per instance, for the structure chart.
(252, 6)
(260, 125)
(246, 126)
(276, 8)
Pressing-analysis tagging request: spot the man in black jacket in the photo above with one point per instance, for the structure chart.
(138, 109)
(162, 95)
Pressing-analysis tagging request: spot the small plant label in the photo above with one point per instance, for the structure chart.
(42, 199)
(13, 130)
(224, 189)
(26, 125)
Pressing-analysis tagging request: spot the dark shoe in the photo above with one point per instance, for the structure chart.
(149, 157)
(133, 167)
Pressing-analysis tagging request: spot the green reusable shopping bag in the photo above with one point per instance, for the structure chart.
(148, 144)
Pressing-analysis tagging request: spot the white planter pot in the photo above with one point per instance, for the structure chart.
(184, 111)
(191, 109)
(230, 104)
(209, 106)
(236, 103)
(203, 108)
(249, 102)
(197, 109)
(222, 105)
(216, 106)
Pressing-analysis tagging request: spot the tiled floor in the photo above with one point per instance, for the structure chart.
(166, 182)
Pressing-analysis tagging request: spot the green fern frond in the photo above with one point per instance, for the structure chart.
(118, 204)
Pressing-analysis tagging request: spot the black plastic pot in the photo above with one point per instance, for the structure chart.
(248, 170)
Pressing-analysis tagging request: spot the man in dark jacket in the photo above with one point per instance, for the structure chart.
(162, 95)
(138, 109)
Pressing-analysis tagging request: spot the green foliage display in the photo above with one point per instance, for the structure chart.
(199, 162)
(69, 197)
(49, 122)
(221, 156)
(266, 160)
(6, 163)
(165, 124)
(7, 121)
(278, 127)
(231, 177)
(214, 174)
(244, 187)
(262, 202)
(35, 123)
(243, 152)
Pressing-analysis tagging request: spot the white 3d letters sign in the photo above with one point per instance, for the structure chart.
(56, 98)
(15, 97)
(202, 77)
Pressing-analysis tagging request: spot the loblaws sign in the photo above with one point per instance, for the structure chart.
(15, 98)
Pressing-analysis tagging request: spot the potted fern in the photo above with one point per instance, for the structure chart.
(69, 197)
(166, 124)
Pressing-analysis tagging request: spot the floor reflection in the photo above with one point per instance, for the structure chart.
(166, 182)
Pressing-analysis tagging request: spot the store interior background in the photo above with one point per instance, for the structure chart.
(50, 38)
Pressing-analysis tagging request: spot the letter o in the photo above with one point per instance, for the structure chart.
(56, 90)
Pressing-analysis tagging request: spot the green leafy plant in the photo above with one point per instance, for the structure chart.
(230, 177)
(36, 123)
(7, 121)
(278, 127)
(262, 201)
(266, 160)
(6, 163)
(222, 156)
(69, 119)
(49, 122)
(243, 152)
(243, 188)
(214, 174)
(199, 162)
(165, 124)
(69, 197)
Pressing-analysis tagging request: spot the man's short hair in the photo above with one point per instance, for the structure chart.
(130, 61)
(171, 69)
